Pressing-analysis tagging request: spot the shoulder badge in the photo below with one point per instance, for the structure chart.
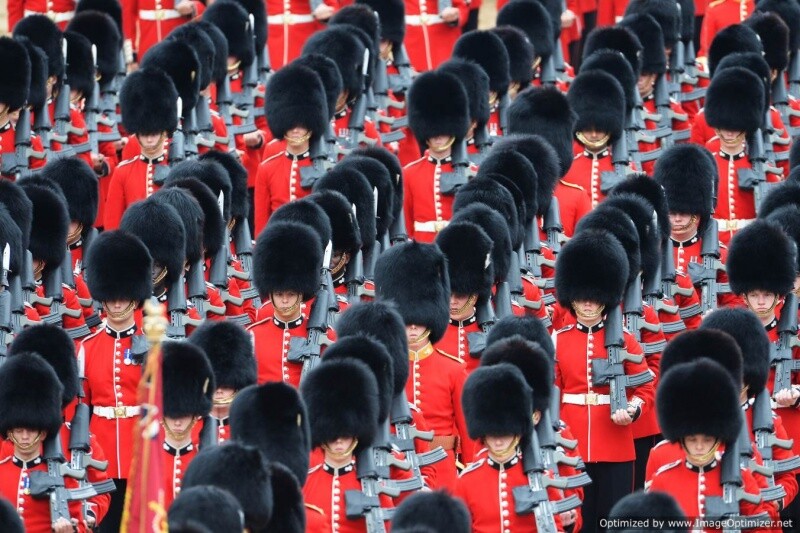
(314, 468)
(315, 508)
(565, 328)
(668, 466)
(572, 185)
(472, 466)
(126, 162)
(449, 356)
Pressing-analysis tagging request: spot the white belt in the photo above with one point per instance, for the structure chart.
(290, 18)
(123, 411)
(734, 224)
(423, 20)
(432, 226)
(55, 16)
(586, 399)
(158, 14)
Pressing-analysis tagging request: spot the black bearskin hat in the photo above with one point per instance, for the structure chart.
(16, 76)
(545, 112)
(688, 174)
(788, 219)
(233, 21)
(237, 175)
(648, 505)
(468, 250)
(544, 160)
(209, 172)
(379, 180)
(258, 9)
(497, 401)
(288, 497)
(9, 518)
(528, 327)
(618, 38)
(392, 164)
(307, 212)
(287, 257)
(296, 98)
(366, 27)
(476, 83)
(647, 30)
(19, 207)
(80, 69)
(149, 102)
(328, 73)
(531, 359)
(112, 8)
(272, 417)
(614, 63)
(533, 19)
(229, 349)
(242, 471)
(50, 225)
(755, 63)
(592, 266)
(698, 397)
(341, 45)
(488, 51)
(220, 510)
(641, 212)
(180, 62)
(516, 168)
(496, 228)
(342, 401)
(652, 192)
(354, 185)
(432, 511)
(762, 257)
(37, 90)
(491, 192)
(55, 347)
(197, 39)
(664, 12)
(618, 223)
(79, 184)
(219, 65)
(735, 100)
(30, 395)
(192, 218)
(774, 35)
(44, 33)
(161, 229)
(735, 38)
(415, 277)
(345, 233)
(392, 18)
(119, 267)
(599, 102)
(790, 14)
(11, 235)
(711, 343)
(520, 53)
(745, 327)
(188, 380)
(213, 229)
(786, 193)
(103, 32)
(380, 320)
(437, 105)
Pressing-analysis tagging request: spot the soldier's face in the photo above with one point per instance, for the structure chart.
(178, 425)
(645, 84)
(594, 136)
(461, 304)
(761, 301)
(682, 223)
(26, 438)
(340, 445)
(416, 333)
(150, 141)
(587, 308)
(699, 445)
(730, 137)
(386, 49)
(440, 143)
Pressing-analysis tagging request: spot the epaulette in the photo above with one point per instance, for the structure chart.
(575, 158)
(570, 184)
(414, 162)
(127, 161)
(251, 326)
(449, 356)
(314, 507)
(662, 442)
(472, 466)
(668, 466)
(270, 158)
(565, 328)
(715, 3)
(3, 461)
(315, 468)
(529, 278)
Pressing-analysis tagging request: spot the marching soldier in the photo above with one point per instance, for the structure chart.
(13, 90)
(719, 15)
(291, 23)
(60, 12)
(146, 23)
(476, 84)
(520, 59)
(534, 20)
(431, 31)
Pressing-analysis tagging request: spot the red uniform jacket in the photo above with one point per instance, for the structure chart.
(719, 15)
(456, 342)
(132, 181)
(59, 11)
(420, 446)
(70, 302)
(790, 416)
(586, 170)
(278, 182)
(573, 203)
(599, 439)
(148, 22)
(430, 40)
(609, 12)
(689, 252)
(289, 24)
(175, 463)
(427, 210)
(340, 128)
(7, 134)
(653, 343)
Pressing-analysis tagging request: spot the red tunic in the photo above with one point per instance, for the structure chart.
(599, 439)
(132, 181)
(420, 446)
(175, 463)
(719, 15)
(429, 40)
(278, 182)
(689, 252)
(147, 22)
(456, 342)
(609, 12)
(7, 134)
(59, 11)
(790, 416)
(653, 343)
(289, 25)
(341, 130)
(573, 203)
(70, 302)
(586, 170)
(427, 210)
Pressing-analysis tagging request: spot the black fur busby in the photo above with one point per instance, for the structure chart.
(615, 64)
(79, 184)
(533, 360)
(192, 218)
(688, 174)
(328, 73)
(379, 180)
(44, 33)
(641, 212)
(519, 170)
(493, 224)
(618, 38)
(745, 327)
(375, 355)
(520, 54)
(307, 212)
(392, 18)
(210, 173)
(533, 19)
(80, 68)
(16, 76)
(237, 175)
(664, 12)
(774, 35)
(31, 395)
(735, 101)
(468, 250)
(50, 225)
(161, 229)
(788, 219)
(545, 112)
(476, 83)
(213, 229)
(698, 398)
(345, 233)
(219, 65)
(149, 102)
(188, 380)
(346, 50)
(287, 496)
(112, 8)
(488, 51)
(119, 267)
(354, 185)
(342, 401)
(497, 401)
(529, 328)
(652, 192)
(369, 45)
(229, 349)
(180, 62)
(786, 193)
(296, 98)
(711, 343)
(492, 193)
(233, 21)
(37, 90)
(649, 505)
(197, 39)
(55, 347)
(755, 63)
(392, 164)
(687, 20)
(242, 471)
(544, 160)
(599, 102)
(437, 105)
(762, 257)
(19, 206)
(287, 257)
(258, 9)
(648, 31)
(519, 202)
(363, 19)
(220, 510)
(11, 235)
(735, 38)
(415, 277)
(272, 417)
(592, 266)
(9, 518)
(103, 32)
(380, 320)
(618, 223)
(432, 511)
(790, 14)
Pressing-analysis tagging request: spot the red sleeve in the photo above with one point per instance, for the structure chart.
(261, 200)
(707, 31)
(98, 504)
(131, 148)
(115, 201)
(71, 302)
(16, 10)
(408, 206)
(786, 479)
(428, 472)
(647, 391)
(463, 11)
(467, 444)
(199, 8)
(130, 13)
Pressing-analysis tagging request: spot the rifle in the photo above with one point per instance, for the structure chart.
(68, 279)
(450, 182)
(243, 243)
(358, 113)
(772, 492)
(781, 351)
(177, 144)
(227, 109)
(92, 112)
(244, 101)
(633, 310)
(197, 292)
(486, 319)
(176, 307)
(547, 74)
(17, 163)
(651, 291)
(668, 275)
(619, 157)
(190, 134)
(551, 224)
(54, 299)
(514, 279)
(794, 74)
(533, 253)
(6, 326)
(677, 66)
(705, 274)
(397, 231)
(764, 430)
(755, 178)
(19, 319)
(218, 273)
(403, 439)
(209, 435)
(554, 414)
(400, 82)
(319, 163)
(502, 112)
(611, 371)
(546, 432)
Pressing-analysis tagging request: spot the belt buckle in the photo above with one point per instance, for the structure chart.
(288, 18)
(592, 399)
(160, 14)
(51, 15)
(423, 18)
(120, 412)
(439, 225)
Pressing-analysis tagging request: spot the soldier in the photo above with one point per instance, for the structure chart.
(534, 20)
(431, 32)
(291, 24)
(145, 24)
(438, 111)
(60, 12)
(476, 84)
(719, 15)
(121, 271)
(223, 140)
(520, 57)
(135, 179)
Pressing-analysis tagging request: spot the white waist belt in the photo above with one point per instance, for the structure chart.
(158, 14)
(290, 18)
(586, 399)
(123, 411)
(55, 16)
(432, 226)
(733, 224)
(423, 20)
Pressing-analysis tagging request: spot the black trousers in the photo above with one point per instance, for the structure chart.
(698, 24)
(792, 512)
(610, 483)
(576, 48)
(642, 446)
(113, 519)
(472, 21)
